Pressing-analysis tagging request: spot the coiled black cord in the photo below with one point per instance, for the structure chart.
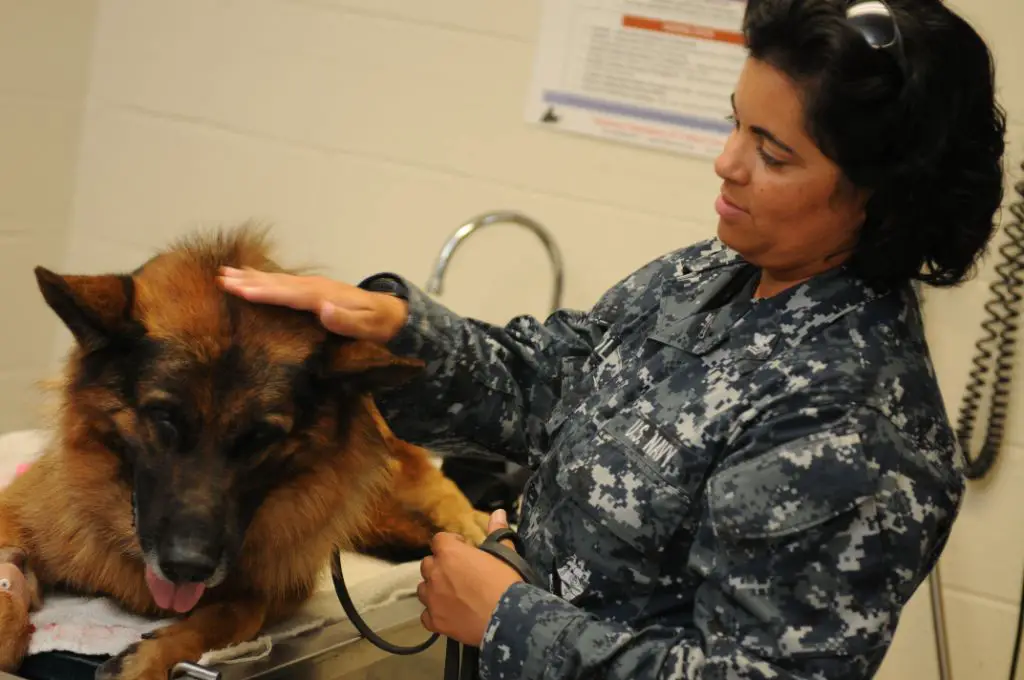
(1000, 328)
(1017, 210)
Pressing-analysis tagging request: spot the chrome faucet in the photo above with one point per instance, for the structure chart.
(434, 285)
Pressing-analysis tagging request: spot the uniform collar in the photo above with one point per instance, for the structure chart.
(785, 318)
(709, 255)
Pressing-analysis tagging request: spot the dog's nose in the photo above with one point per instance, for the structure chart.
(185, 562)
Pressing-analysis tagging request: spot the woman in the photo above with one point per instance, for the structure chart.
(742, 463)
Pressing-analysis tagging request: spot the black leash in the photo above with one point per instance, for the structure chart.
(456, 666)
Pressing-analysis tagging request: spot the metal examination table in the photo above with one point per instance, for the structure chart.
(336, 652)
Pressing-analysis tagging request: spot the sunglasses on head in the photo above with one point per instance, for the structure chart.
(874, 20)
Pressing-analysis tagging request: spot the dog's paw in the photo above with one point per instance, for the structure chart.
(473, 527)
(139, 661)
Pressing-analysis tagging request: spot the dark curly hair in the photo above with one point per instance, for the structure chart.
(928, 145)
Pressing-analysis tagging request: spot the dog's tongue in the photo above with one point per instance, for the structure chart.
(180, 598)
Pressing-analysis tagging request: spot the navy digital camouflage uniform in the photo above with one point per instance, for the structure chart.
(724, 487)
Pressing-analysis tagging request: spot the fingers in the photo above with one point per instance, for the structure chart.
(342, 309)
(271, 288)
(499, 520)
(421, 595)
(240, 279)
(426, 567)
(427, 622)
(341, 321)
(445, 540)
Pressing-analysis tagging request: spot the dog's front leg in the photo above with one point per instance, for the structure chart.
(214, 626)
(419, 486)
(16, 591)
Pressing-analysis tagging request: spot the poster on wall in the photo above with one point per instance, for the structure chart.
(656, 73)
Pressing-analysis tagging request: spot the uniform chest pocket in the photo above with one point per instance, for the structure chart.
(615, 479)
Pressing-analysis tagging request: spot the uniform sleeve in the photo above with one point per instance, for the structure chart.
(487, 389)
(490, 389)
(806, 550)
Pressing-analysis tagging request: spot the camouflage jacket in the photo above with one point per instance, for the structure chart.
(747, 489)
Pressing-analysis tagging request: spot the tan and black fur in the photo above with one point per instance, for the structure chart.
(245, 433)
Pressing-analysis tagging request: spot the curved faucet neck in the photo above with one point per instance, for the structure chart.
(436, 281)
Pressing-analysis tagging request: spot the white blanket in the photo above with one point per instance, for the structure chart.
(98, 626)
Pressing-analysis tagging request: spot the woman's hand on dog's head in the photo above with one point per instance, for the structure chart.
(343, 308)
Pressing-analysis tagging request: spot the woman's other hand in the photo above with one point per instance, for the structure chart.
(462, 585)
(343, 309)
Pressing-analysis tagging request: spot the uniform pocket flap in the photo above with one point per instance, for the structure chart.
(792, 487)
(623, 491)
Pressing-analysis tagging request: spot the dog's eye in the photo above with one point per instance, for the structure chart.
(164, 422)
(259, 438)
(166, 430)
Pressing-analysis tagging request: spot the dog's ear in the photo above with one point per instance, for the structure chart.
(371, 366)
(96, 309)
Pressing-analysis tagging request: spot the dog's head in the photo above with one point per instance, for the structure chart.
(208, 403)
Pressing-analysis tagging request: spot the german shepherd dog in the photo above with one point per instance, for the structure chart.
(209, 454)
